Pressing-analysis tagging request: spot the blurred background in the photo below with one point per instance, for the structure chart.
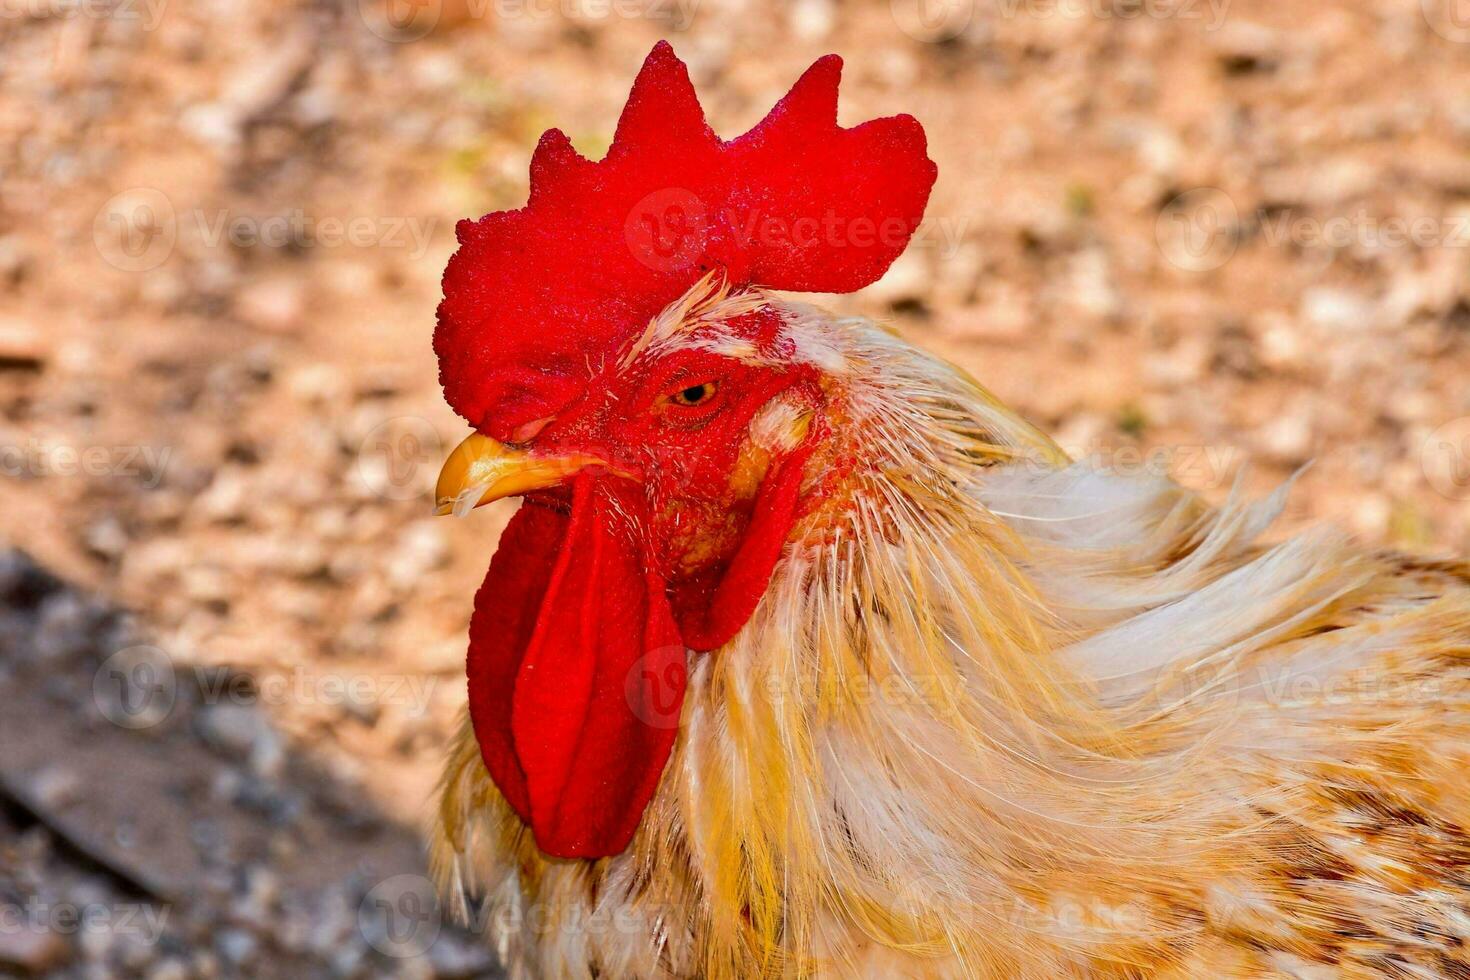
(1215, 238)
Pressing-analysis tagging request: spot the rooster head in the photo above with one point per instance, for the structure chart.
(612, 347)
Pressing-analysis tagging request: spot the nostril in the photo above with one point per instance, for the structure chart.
(527, 431)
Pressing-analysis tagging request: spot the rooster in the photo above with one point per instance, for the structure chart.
(805, 657)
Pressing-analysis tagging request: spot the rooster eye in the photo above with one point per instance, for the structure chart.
(694, 394)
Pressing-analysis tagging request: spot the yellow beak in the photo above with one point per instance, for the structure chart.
(480, 470)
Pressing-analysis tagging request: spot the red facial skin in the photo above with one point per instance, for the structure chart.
(577, 652)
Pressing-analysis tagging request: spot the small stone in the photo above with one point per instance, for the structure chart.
(452, 956)
(1336, 309)
(262, 892)
(316, 383)
(211, 123)
(227, 498)
(149, 561)
(236, 946)
(64, 626)
(205, 966)
(169, 969)
(208, 584)
(1184, 364)
(22, 345)
(232, 728)
(1371, 516)
(268, 754)
(33, 951)
(55, 788)
(1281, 346)
(15, 258)
(420, 548)
(277, 305)
(1243, 47)
(811, 20)
(1287, 438)
(106, 537)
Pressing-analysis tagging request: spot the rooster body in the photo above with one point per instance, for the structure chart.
(805, 657)
(999, 715)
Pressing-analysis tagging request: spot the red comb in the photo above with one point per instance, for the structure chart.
(797, 203)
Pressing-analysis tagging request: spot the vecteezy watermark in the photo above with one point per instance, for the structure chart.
(932, 21)
(1079, 919)
(138, 229)
(40, 458)
(401, 21)
(1308, 687)
(937, 21)
(1198, 466)
(1364, 230)
(1200, 229)
(142, 920)
(398, 458)
(147, 13)
(303, 686)
(400, 916)
(1445, 459)
(654, 688)
(1209, 14)
(297, 229)
(1450, 19)
(671, 229)
(138, 687)
(1315, 677)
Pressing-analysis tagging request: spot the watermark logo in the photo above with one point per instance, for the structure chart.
(138, 229)
(671, 229)
(404, 21)
(136, 687)
(667, 230)
(1209, 14)
(1445, 459)
(37, 458)
(932, 21)
(1198, 230)
(135, 231)
(147, 13)
(1077, 918)
(297, 229)
(1364, 230)
(1450, 19)
(400, 21)
(1200, 467)
(654, 687)
(144, 921)
(399, 916)
(399, 457)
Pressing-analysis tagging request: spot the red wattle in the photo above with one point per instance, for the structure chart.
(577, 709)
(712, 619)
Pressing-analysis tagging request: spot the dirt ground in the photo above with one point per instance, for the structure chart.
(1225, 238)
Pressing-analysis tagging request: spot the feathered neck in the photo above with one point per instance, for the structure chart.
(893, 738)
(909, 744)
